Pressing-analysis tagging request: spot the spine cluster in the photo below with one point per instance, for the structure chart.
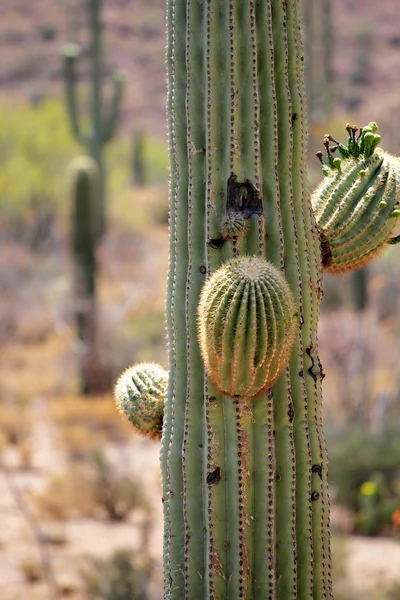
(103, 120)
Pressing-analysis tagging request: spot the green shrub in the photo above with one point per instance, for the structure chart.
(117, 578)
(358, 457)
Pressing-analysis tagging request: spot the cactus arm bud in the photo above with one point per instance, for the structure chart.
(246, 326)
(139, 395)
(357, 208)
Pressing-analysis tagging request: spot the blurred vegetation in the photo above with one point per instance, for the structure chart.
(118, 578)
(364, 470)
(35, 148)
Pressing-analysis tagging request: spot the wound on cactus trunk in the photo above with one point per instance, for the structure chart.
(139, 395)
(357, 204)
(246, 326)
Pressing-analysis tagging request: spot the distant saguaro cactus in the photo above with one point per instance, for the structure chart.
(103, 120)
(357, 205)
(83, 181)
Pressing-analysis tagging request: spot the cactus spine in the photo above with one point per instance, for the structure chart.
(246, 505)
(83, 175)
(103, 121)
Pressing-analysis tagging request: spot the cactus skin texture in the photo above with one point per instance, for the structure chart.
(103, 121)
(245, 494)
(83, 179)
(357, 204)
(139, 395)
(246, 326)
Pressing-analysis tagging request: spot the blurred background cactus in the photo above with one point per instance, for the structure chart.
(103, 119)
(83, 186)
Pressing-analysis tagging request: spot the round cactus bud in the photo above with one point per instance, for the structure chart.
(233, 225)
(139, 395)
(247, 325)
(357, 208)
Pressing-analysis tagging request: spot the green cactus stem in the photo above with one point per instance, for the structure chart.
(139, 395)
(103, 120)
(357, 204)
(245, 495)
(83, 180)
(246, 326)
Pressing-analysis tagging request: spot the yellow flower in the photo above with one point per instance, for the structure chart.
(369, 488)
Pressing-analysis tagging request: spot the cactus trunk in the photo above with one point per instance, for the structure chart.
(246, 505)
(83, 185)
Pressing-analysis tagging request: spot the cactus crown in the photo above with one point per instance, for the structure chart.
(357, 204)
(139, 395)
(246, 325)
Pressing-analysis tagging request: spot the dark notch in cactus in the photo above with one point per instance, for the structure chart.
(247, 326)
(83, 181)
(139, 395)
(103, 120)
(357, 205)
(259, 528)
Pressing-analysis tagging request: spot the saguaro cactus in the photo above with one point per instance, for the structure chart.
(245, 491)
(103, 121)
(83, 178)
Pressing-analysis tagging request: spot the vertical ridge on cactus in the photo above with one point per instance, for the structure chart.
(246, 513)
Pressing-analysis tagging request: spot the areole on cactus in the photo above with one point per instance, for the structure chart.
(247, 326)
(357, 205)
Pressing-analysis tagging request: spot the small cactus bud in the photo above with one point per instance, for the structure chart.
(337, 163)
(247, 325)
(139, 395)
(356, 208)
(233, 225)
